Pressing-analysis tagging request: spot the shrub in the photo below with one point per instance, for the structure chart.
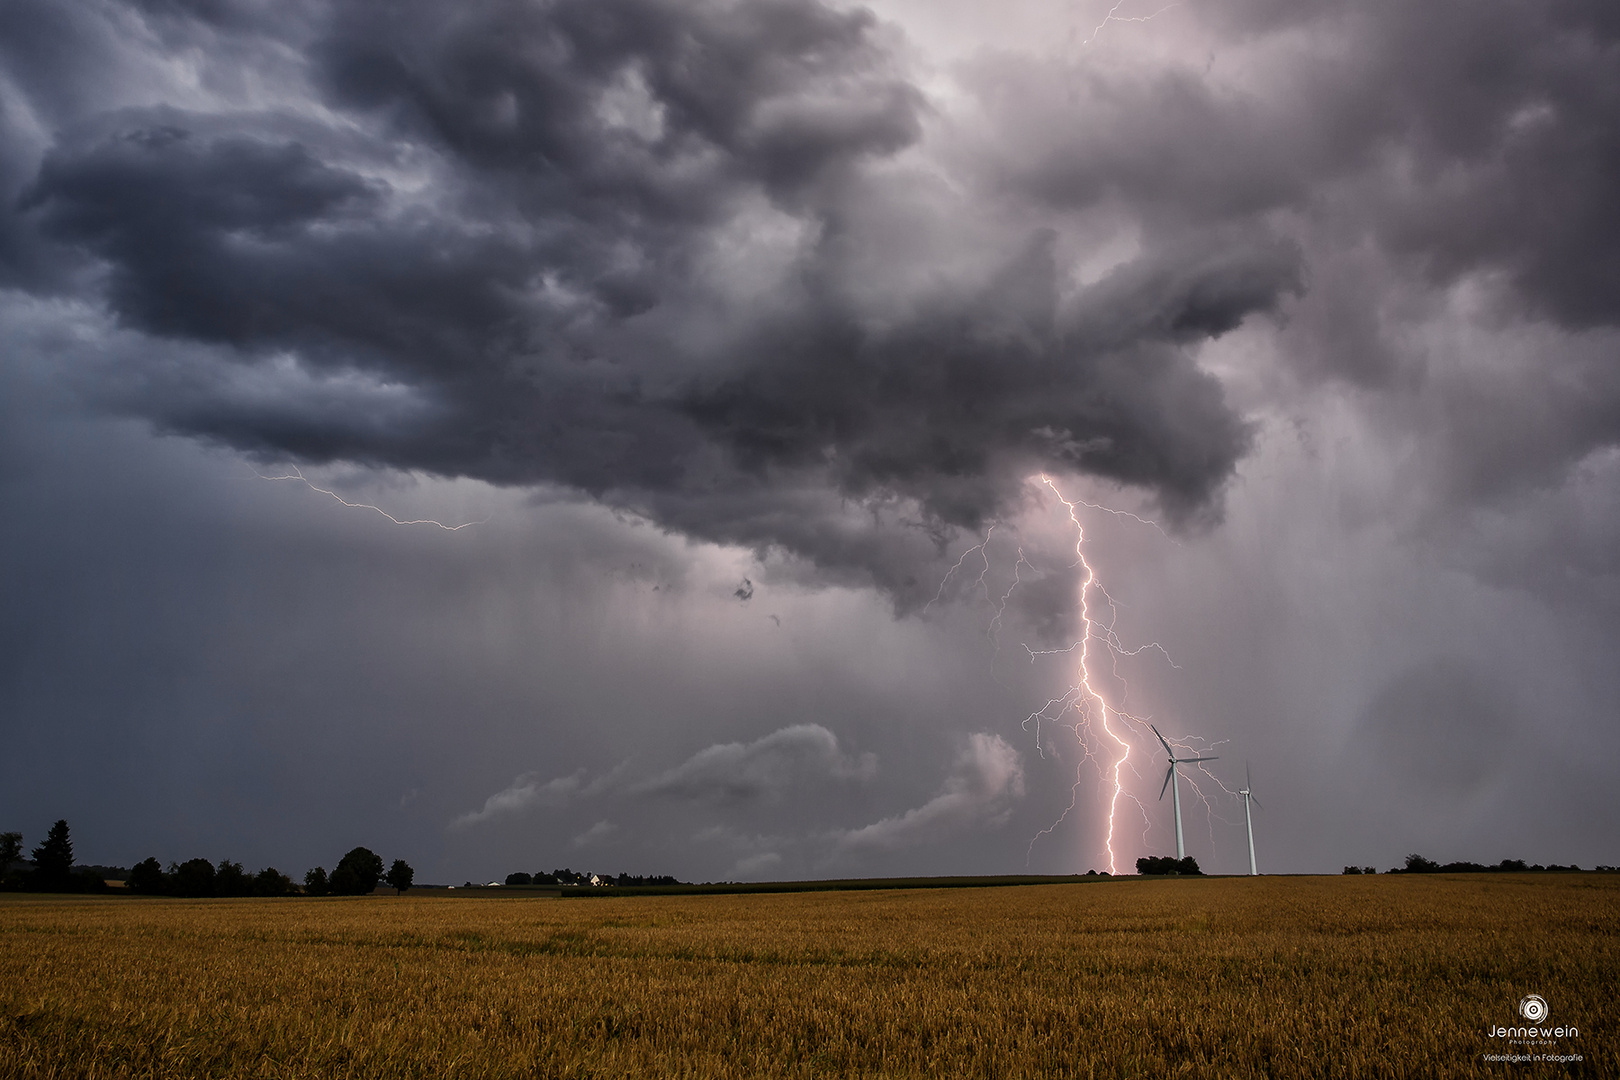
(1164, 864)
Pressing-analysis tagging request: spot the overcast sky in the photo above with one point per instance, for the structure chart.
(739, 337)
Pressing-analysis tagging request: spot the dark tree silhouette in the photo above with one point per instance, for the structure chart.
(231, 880)
(194, 877)
(10, 852)
(357, 873)
(272, 882)
(53, 860)
(400, 876)
(345, 882)
(1164, 864)
(147, 877)
(520, 878)
(315, 882)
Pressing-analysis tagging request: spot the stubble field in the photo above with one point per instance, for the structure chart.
(1383, 976)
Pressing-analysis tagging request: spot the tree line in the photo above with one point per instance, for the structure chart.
(1417, 864)
(50, 868)
(1165, 864)
(566, 876)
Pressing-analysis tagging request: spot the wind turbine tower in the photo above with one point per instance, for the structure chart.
(1247, 817)
(1170, 777)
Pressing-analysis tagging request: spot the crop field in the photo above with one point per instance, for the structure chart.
(1389, 976)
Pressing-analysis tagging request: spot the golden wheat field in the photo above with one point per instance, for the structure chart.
(1382, 976)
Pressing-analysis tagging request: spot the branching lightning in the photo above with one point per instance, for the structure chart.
(1113, 16)
(1086, 698)
(1101, 724)
(982, 548)
(296, 474)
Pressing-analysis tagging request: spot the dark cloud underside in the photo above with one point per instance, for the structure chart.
(520, 214)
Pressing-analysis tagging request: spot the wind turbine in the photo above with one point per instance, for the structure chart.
(1170, 778)
(1247, 819)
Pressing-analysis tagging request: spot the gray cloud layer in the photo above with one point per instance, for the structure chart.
(773, 275)
(545, 226)
(768, 767)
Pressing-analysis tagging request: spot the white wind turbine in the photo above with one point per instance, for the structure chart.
(1247, 819)
(1170, 778)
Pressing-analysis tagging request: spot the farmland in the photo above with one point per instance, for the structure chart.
(1398, 976)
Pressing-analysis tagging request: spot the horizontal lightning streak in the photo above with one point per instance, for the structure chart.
(298, 475)
(1113, 16)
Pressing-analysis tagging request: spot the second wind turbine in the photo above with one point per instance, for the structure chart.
(1171, 778)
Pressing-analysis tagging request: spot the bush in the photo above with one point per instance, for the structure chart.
(148, 879)
(272, 882)
(194, 877)
(1164, 864)
(231, 880)
(84, 879)
(519, 879)
(10, 852)
(345, 882)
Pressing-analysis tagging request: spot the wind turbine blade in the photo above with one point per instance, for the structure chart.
(1248, 781)
(1195, 760)
(1168, 773)
(1166, 745)
(1255, 800)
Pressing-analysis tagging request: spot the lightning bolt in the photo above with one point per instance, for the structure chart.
(1001, 608)
(1113, 16)
(1085, 697)
(296, 474)
(981, 548)
(1103, 728)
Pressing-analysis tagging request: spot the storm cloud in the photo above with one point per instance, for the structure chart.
(735, 323)
(546, 229)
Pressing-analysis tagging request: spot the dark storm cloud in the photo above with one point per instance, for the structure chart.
(1418, 154)
(699, 98)
(725, 267)
(1467, 139)
(512, 215)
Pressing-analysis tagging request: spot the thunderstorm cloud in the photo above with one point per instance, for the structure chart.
(735, 323)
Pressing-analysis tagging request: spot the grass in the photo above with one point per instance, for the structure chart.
(1344, 976)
